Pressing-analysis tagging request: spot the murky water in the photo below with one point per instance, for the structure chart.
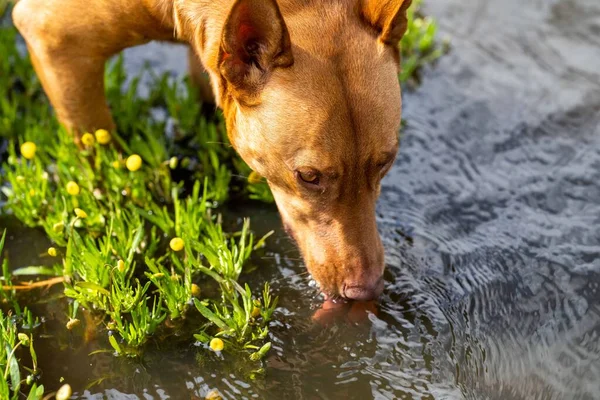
(491, 221)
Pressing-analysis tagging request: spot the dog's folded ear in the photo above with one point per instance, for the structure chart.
(255, 41)
(388, 17)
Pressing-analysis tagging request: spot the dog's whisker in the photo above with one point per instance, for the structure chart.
(239, 176)
(223, 143)
(296, 275)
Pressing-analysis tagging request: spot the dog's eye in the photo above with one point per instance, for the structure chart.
(384, 167)
(308, 176)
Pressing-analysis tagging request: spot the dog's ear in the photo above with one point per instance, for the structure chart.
(255, 41)
(388, 17)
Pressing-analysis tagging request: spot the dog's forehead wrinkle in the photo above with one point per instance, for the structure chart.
(356, 123)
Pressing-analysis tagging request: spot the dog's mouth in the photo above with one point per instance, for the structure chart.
(329, 296)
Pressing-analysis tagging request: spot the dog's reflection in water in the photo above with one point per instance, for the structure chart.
(340, 311)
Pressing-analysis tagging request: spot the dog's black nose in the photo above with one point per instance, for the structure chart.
(363, 292)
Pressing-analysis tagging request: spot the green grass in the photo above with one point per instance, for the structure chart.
(419, 45)
(16, 327)
(112, 236)
(115, 260)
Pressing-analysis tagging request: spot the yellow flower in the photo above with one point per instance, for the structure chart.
(255, 312)
(217, 344)
(23, 338)
(88, 139)
(213, 395)
(58, 227)
(80, 213)
(102, 136)
(73, 188)
(176, 244)
(72, 323)
(28, 150)
(121, 265)
(52, 252)
(116, 164)
(134, 162)
(64, 392)
(254, 177)
(195, 290)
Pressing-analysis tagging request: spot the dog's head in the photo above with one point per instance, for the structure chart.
(313, 104)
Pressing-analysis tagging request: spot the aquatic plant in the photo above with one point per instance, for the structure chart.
(12, 339)
(419, 45)
(111, 209)
(11, 381)
(113, 216)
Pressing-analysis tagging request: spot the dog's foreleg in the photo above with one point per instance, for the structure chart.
(69, 42)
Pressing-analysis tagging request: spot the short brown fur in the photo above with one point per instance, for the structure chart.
(309, 90)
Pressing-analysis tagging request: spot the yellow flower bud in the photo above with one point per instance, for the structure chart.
(176, 244)
(58, 227)
(116, 164)
(213, 395)
(255, 312)
(173, 162)
(31, 192)
(134, 162)
(52, 252)
(217, 344)
(72, 323)
(80, 213)
(23, 338)
(64, 392)
(88, 139)
(73, 188)
(254, 177)
(195, 290)
(28, 150)
(121, 265)
(102, 136)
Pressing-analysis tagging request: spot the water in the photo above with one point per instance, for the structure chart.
(490, 220)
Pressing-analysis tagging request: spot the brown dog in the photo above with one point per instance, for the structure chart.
(309, 89)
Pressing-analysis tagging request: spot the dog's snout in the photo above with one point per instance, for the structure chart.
(363, 292)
